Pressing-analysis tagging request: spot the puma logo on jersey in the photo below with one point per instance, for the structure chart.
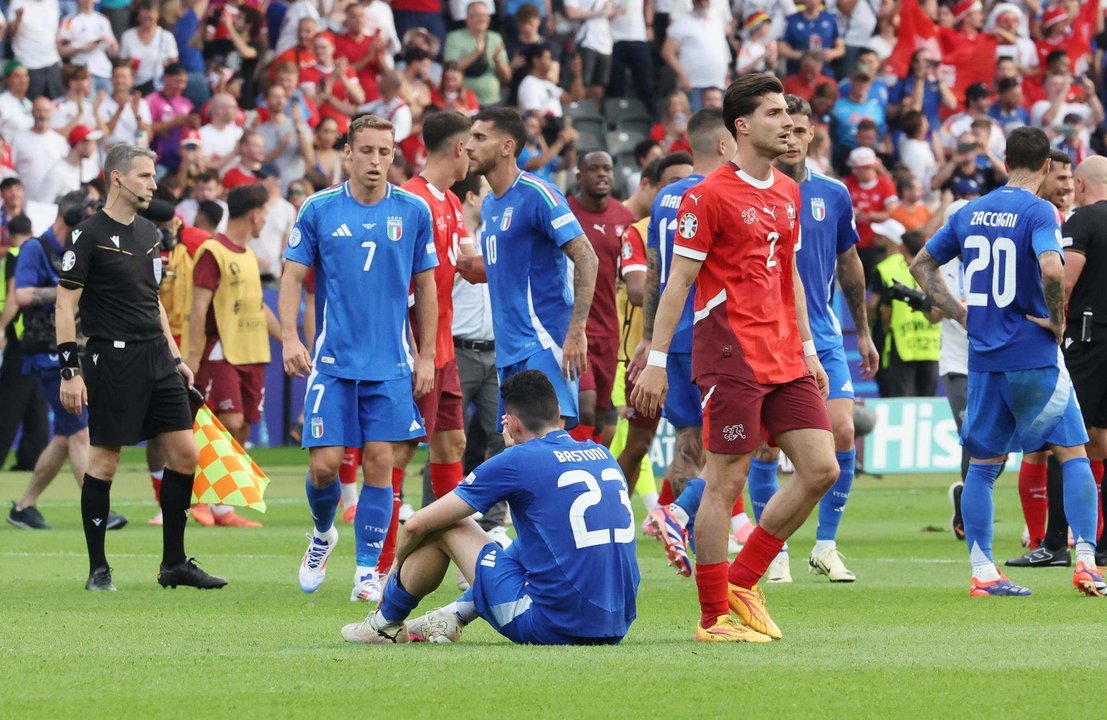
(115, 239)
(599, 228)
(695, 198)
(770, 213)
(342, 231)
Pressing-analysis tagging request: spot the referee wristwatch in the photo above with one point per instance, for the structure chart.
(68, 373)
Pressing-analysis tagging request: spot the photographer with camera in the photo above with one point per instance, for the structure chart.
(906, 319)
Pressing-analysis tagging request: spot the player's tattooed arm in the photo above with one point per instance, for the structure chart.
(1053, 287)
(585, 267)
(851, 276)
(650, 297)
(925, 270)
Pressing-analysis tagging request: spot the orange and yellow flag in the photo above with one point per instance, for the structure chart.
(225, 474)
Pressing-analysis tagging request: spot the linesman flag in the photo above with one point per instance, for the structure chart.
(225, 474)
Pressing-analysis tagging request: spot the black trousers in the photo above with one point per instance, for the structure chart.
(638, 58)
(23, 405)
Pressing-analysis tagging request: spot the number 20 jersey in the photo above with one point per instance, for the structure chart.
(365, 257)
(744, 231)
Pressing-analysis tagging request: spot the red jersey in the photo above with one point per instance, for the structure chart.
(353, 50)
(318, 76)
(449, 230)
(236, 176)
(744, 231)
(605, 231)
(633, 257)
(874, 198)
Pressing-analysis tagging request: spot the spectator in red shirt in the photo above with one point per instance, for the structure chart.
(809, 76)
(452, 94)
(302, 55)
(672, 132)
(251, 156)
(874, 199)
(364, 52)
(333, 82)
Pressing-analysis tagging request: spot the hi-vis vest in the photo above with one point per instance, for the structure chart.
(17, 324)
(915, 337)
(239, 305)
(175, 292)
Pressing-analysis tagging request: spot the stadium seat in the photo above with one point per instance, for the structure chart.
(635, 125)
(589, 140)
(585, 110)
(622, 143)
(616, 109)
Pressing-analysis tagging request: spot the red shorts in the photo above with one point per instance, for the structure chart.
(233, 389)
(441, 407)
(739, 412)
(637, 419)
(602, 361)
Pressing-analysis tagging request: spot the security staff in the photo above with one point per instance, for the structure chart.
(132, 365)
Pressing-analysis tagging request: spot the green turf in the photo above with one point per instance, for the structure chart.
(904, 641)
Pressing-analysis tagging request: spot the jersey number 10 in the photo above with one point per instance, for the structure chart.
(592, 496)
(1001, 251)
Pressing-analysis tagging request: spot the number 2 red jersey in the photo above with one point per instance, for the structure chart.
(744, 231)
(449, 229)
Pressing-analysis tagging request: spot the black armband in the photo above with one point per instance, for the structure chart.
(69, 355)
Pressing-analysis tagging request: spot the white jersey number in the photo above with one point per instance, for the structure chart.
(372, 246)
(1001, 251)
(591, 497)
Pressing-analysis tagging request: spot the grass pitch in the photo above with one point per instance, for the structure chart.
(903, 641)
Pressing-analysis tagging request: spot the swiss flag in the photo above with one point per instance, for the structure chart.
(916, 30)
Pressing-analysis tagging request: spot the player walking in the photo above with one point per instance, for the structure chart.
(752, 356)
(568, 579)
(526, 234)
(367, 240)
(1020, 393)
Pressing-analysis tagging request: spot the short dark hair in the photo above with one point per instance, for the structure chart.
(914, 241)
(703, 127)
(415, 54)
(1055, 56)
(440, 127)
(176, 68)
(650, 172)
(643, 148)
(471, 184)
(246, 198)
(530, 396)
(9, 182)
(507, 121)
(527, 11)
(1007, 84)
(211, 211)
(19, 225)
(797, 105)
(677, 158)
(1057, 155)
(912, 122)
(1027, 149)
(865, 124)
(744, 95)
(206, 176)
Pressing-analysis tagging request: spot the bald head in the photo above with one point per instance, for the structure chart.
(1091, 180)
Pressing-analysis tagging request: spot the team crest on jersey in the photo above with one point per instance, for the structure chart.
(749, 215)
(317, 427)
(790, 208)
(506, 222)
(157, 268)
(733, 432)
(627, 251)
(395, 228)
(619, 229)
(688, 226)
(294, 238)
(69, 260)
(818, 209)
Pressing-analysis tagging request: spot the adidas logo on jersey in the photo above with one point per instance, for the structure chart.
(342, 231)
(489, 560)
(414, 426)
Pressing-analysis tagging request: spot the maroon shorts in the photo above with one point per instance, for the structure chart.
(637, 419)
(230, 389)
(441, 407)
(738, 412)
(602, 361)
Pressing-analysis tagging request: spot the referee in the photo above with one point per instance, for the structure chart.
(132, 366)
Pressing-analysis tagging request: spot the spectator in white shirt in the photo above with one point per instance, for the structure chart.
(288, 140)
(219, 138)
(86, 39)
(296, 12)
(206, 187)
(536, 92)
(280, 216)
(631, 31)
(15, 106)
(124, 115)
(36, 150)
(153, 46)
(594, 41)
(696, 49)
(916, 152)
(33, 29)
(67, 175)
(390, 105)
(76, 108)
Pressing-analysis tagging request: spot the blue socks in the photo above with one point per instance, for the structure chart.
(396, 603)
(834, 502)
(762, 484)
(1080, 501)
(978, 512)
(323, 503)
(690, 499)
(374, 513)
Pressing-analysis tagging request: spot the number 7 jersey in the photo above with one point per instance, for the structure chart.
(744, 231)
(366, 257)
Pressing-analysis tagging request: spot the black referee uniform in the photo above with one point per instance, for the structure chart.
(135, 391)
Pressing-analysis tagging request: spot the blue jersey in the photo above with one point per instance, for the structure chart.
(365, 257)
(521, 235)
(828, 231)
(659, 237)
(575, 530)
(999, 238)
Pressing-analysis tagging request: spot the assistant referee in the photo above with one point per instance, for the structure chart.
(134, 382)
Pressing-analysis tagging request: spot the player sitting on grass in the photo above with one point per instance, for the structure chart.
(571, 576)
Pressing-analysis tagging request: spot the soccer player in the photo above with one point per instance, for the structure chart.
(137, 382)
(526, 234)
(753, 357)
(230, 325)
(367, 240)
(603, 220)
(1020, 393)
(570, 578)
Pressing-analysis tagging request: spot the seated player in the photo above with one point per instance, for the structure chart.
(571, 576)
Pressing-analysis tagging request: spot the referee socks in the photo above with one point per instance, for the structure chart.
(176, 497)
(95, 503)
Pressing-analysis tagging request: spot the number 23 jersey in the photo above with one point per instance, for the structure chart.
(744, 231)
(366, 256)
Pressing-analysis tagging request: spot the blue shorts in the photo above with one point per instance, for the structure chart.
(350, 413)
(501, 598)
(1025, 410)
(548, 361)
(837, 371)
(65, 422)
(682, 403)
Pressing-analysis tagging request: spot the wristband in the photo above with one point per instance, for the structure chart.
(657, 359)
(177, 361)
(69, 355)
(809, 348)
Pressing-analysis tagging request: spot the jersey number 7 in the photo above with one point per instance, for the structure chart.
(591, 497)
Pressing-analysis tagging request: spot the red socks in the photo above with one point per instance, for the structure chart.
(156, 482)
(351, 463)
(1097, 473)
(666, 497)
(755, 558)
(739, 506)
(388, 552)
(582, 432)
(445, 477)
(711, 584)
(1035, 502)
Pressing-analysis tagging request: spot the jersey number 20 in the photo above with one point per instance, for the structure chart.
(1001, 251)
(592, 496)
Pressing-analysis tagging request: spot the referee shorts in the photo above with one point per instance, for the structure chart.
(1087, 363)
(134, 392)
